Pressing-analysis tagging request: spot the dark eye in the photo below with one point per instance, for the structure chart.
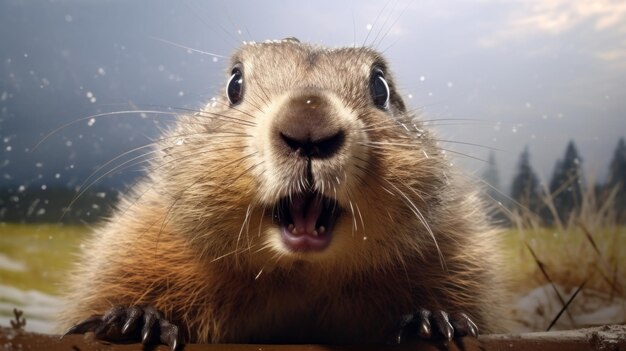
(234, 88)
(379, 89)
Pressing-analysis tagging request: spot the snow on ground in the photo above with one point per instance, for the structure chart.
(537, 308)
(40, 310)
(9, 264)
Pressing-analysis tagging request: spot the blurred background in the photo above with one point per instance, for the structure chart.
(531, 97)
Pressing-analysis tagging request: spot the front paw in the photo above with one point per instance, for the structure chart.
(142, 324)
(434, 325)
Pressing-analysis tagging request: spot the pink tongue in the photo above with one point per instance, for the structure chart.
(305, 211)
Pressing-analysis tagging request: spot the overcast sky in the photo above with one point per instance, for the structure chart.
(535, 73)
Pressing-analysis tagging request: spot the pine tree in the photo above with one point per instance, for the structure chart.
(491, 176)
(493, 191)
(525, 183)
(617, 179)
(566, 184)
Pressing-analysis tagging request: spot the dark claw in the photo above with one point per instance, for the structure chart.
(113, 314)
(424, 330)
(149, 318)
(405, 321)
(443, 324)
(169, 334)
(109, 328)
(463, 325)
(435, 325)
(134, 314)
(86, 325)
(135, 324)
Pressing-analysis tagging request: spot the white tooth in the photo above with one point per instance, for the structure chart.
(294, 231)
(314, 233)
(322, 229)
(290, 227)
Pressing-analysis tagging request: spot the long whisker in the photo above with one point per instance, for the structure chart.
(261, 220)
(410, 204)
(354, 225)
(500, 192)
(187, 47)
(105, 114)
(468, 144)
(82, 191)
(227, 254)
(247, 169)
(195, 12)
(393, 24)
(198, 113)
(153, 143)
(432, 123)
(413, 142)
(171, 207)
(358, 210)
(127, 164)
(455, 120)
(237, 109)
(375, 22)
(382, 26)
(254, 101)
(207, 114)
(263, 91)
(383, 122)
(385, 146)
(245, 220)
(422, 219)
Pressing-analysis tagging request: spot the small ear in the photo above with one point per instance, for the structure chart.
(292, 39)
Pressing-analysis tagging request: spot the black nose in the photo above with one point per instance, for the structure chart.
(321, 148)
(309, 126)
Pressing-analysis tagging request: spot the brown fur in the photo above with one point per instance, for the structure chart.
(197, 241)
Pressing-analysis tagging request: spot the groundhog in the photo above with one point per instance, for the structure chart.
(304, 204)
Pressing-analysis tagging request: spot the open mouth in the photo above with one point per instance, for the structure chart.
(306, 221)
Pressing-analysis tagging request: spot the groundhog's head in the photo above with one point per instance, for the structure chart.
(308, 155)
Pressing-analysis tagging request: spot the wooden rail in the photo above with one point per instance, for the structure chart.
(606, 338)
